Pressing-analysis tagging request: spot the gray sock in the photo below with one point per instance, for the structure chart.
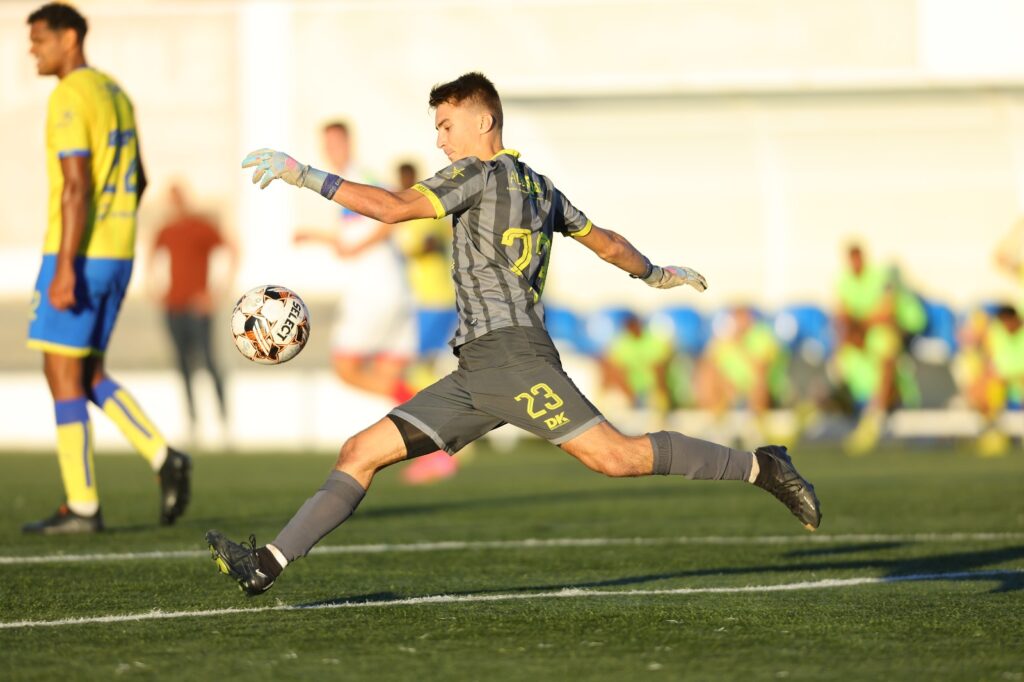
(698, 459)
(326, 510)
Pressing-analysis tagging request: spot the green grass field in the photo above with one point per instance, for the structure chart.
(917, 573)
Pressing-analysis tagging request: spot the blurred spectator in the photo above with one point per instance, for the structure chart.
(861, 291)
(190, 241)
(878, 316)
(426, 245)
(865, 366)
(374, 336)
(1009, 257)
(1003, 378)
(744, 365)
(636, 365)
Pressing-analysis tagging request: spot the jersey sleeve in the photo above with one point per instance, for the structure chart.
(571, 220)
(67, 124)
(455, 188)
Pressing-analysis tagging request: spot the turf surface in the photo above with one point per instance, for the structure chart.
(889, 517)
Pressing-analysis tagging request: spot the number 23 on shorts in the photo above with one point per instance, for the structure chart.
(543, 391)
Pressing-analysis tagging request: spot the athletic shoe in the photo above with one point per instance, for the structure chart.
(66, 522)
(239, 561)
(175, 486)
(778, 476)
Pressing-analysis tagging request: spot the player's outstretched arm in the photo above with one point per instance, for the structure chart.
(373, 202)
(617, 250)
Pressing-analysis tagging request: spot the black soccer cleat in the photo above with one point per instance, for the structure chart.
(778, 476)
(239, 561)
(175, 486)
(66, 522)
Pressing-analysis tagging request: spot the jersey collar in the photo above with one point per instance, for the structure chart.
(511, 152)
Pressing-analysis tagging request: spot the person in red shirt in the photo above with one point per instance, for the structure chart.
(190, 240)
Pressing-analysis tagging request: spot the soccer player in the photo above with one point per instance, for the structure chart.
(371, 344)
(96, 179)
(505, 216)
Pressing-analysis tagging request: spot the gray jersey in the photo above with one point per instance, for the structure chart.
(504, 215)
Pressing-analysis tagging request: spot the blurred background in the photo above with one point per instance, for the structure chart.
(753, 140)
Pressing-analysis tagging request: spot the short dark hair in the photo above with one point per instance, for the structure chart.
(59, 16)
(1005, 311)
(470, 86)
(336, 125)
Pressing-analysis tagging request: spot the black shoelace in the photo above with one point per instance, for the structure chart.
(787, 489)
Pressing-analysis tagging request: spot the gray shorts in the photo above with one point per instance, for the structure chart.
(511, 375)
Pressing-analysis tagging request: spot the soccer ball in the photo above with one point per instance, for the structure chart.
(270, 324)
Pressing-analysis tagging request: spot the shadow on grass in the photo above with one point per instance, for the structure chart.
(844, 549)
(895, 569)
(954, 562)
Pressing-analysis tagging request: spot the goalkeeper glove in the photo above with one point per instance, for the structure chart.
(271, 164)
(674, 276)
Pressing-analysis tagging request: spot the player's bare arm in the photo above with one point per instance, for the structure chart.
(74, 214)
(382, 232)
(613, 248)
(373, 202)
(343, 250)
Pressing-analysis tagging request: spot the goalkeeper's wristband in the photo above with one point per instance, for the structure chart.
(321, 181)
(647, 272)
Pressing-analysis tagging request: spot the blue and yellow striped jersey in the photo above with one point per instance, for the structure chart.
(89, 115)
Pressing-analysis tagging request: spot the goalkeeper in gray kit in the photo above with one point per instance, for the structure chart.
(505, 217)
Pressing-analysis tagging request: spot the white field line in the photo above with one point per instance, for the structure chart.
(529, 543)
(568, 593)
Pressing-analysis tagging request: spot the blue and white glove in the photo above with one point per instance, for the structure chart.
(674, 276)
(271, 165)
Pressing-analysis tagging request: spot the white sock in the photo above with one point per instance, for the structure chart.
(755, 469)
(159, 459)
(277, 555)
(84, 508)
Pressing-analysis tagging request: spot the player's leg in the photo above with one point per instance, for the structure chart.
(603, 449)
(122, 409)
(203, 342)
(530, 389)
(361, 457)
(177, 325)
(173, 468)
(81, 511)
(64, 337)
(439, 417)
